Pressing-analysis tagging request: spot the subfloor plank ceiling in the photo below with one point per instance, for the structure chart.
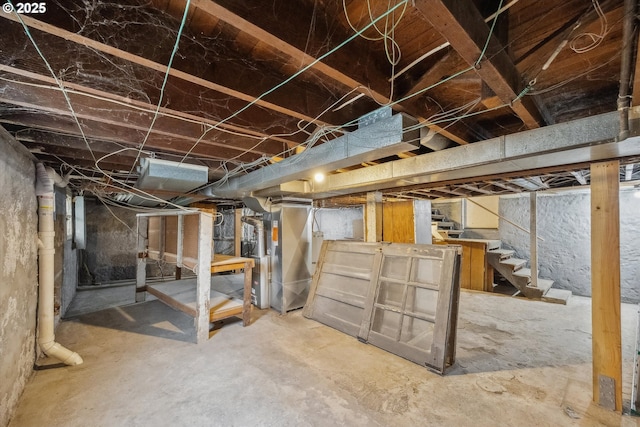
(90, 86)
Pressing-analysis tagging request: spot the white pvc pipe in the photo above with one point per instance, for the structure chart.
(259, 225)
(46, 250)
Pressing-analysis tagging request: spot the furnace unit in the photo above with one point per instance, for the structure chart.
(288, 226)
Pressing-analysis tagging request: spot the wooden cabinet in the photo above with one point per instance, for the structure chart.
(475, 271)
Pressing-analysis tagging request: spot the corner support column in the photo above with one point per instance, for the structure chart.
(373, 217)
(605, 285)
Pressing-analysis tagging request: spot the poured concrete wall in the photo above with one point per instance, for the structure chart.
(564, 222)
(18, 273)
(339, 223)
(111, 246)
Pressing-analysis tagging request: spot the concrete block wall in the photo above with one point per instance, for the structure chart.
(18, 273)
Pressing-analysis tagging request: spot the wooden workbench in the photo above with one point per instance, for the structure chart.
(195, 299)
(222, 263)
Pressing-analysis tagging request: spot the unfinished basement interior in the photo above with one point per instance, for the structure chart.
(319, 213)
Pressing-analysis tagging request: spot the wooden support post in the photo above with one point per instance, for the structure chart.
(180, 247)
(237, 232)
(373, 217)
(533, 236)
(163, 237)
(203, 288)
(141, 264)
(605, 285)
(246, 302)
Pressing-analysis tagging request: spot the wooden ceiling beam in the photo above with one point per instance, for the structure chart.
(100, 134)
(271, 146)
(275, 35)
(448, 65)
(462, 25)
(51, 101)
(635, 98)
(115, 162)
(294, 111)
(73, 143)
(364, 78)
(72, 160)
(476, 189)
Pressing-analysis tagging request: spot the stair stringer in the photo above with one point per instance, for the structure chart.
(520, 278)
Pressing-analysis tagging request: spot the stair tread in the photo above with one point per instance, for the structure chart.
(502, 252)
(523, 272)
(544, 284)
(454, 231)
(513, 262)
(558, 296)
(445, 224)
(437, 217)
(493, 245)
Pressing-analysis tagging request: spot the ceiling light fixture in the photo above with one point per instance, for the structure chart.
(318, 177)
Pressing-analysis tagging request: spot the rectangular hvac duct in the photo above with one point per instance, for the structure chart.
(382, 138)
(165, 175)
(156, 174)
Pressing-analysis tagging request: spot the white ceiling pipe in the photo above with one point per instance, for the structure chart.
(46, 233)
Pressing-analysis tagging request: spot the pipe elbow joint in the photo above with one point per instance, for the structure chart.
(57, 351)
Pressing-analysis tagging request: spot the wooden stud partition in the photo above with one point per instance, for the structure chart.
(605, 285)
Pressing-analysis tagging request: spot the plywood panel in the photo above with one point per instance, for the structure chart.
(154, 233)
(191, 236)
(171, 234)
(475, 272)
(398, 222)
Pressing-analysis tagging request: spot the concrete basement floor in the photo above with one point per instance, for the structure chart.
(519, 363)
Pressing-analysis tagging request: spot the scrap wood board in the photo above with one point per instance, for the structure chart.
(402, 298)
(181, 295)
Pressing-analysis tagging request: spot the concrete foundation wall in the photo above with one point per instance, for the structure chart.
(339, 223)
(111, 246)
(564, 222)
(18, 274)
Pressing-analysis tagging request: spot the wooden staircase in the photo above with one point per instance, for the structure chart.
(443, 229)
(514, 271)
